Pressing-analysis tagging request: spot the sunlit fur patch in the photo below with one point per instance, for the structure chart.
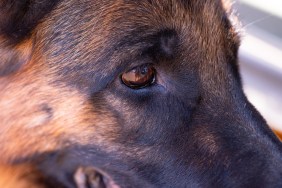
(38, 116)
(209, 142)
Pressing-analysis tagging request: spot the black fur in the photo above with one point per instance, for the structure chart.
(193, 127)
(19, 17)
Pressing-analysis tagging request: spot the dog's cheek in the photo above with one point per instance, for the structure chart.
(40, 117)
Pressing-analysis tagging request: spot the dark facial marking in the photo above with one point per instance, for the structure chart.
(18, 18)
(9, 63)
(167, 41)
(48, 110)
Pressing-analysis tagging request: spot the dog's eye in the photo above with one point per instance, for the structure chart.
(139, 77)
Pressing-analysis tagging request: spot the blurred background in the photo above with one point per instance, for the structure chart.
(261, 57)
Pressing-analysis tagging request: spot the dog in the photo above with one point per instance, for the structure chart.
(124, 93)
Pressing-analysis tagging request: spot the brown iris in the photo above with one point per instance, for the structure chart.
(139, 77)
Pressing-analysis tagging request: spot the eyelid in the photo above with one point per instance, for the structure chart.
(139, 60)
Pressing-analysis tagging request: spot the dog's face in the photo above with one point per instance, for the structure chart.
(147, 91)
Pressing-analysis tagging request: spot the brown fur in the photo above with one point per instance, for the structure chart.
(58, 78)
(23, 176)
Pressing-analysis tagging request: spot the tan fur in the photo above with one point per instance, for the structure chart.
(19, 176)
(39, 116)
(45, 100)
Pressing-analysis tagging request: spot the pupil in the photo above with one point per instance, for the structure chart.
(144, 70)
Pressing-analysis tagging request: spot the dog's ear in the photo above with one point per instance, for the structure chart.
(91, 177)
(19, 17)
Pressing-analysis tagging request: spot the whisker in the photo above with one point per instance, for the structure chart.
(257, 21)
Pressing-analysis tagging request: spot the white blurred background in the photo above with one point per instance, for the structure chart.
(261, 56)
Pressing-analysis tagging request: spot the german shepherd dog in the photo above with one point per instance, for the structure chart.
(127, 93)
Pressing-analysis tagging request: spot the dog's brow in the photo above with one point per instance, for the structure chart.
(160, 43)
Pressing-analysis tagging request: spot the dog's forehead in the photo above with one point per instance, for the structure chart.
(112, 32)
(102, 21)
(145, 11)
